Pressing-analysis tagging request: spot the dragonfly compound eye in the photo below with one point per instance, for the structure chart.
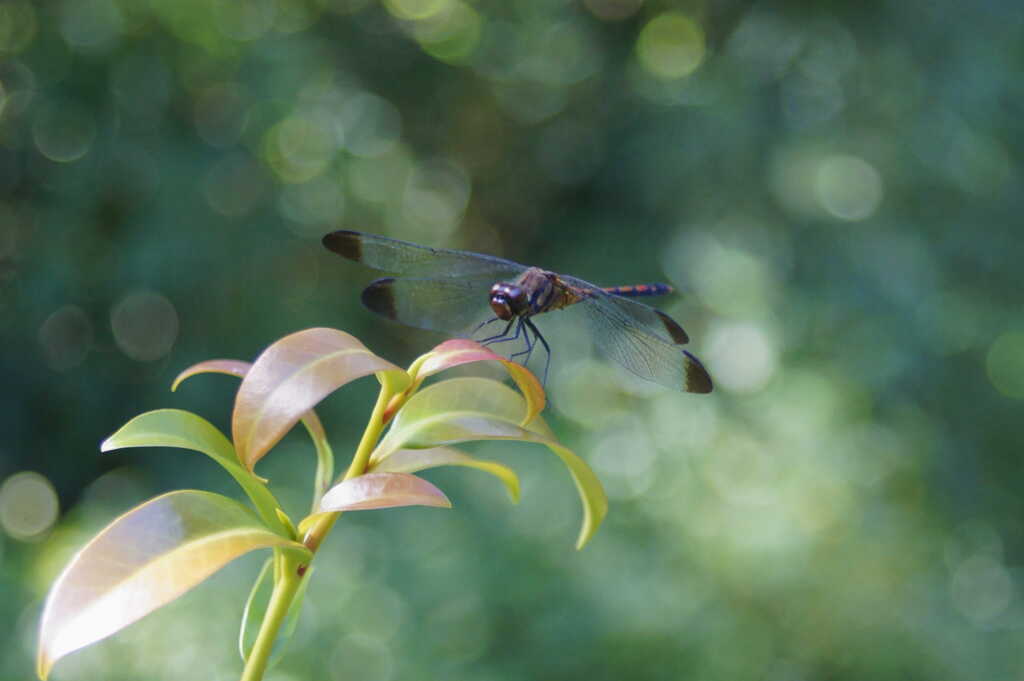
(507, 300)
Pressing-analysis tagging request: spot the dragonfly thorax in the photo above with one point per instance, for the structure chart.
(508, 300)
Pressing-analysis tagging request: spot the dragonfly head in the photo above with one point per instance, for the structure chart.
(508, 300)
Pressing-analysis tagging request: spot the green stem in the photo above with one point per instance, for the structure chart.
(286, 584)
(315, 535)
(370, 435)
(287, 577)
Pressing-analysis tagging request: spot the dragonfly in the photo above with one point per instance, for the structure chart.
(449, 290)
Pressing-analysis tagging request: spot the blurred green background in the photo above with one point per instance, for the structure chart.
(834, 189)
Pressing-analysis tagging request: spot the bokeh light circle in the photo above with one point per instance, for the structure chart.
(28, 505)
(145, 325)
(1005, 364)
(300, 148)
(452, 36)
(671, 46)
(417, 10)
(848, 187)
(361, 657)
(313, 204)
(63, 132)
(90, 24)
(742, 356)
(18, 26)
(981, 588)
(369, 125)
(66, 337)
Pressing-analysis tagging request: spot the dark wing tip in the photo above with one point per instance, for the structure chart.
(697, 378)
(379, 297)
(346, 243)
(679, 336)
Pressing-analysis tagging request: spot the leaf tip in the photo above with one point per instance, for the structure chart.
(43, 665)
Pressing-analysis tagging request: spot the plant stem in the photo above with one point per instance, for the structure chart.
(315, 535)
(286, 584)
(286, 570)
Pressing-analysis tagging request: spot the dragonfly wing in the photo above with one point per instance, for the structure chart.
(645, 341)
(627, 312)
(448, 305)
(404, 257)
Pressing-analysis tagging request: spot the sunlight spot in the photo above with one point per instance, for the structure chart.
(434, 199)
(450, 36)
(368, 125)
(313, 204)
(416, 10)
(90, 23)
(18, 26)
(66, 337)
(1005, 364)
(235, 185)
(145, 325)
(28, 505)
(299, 148)
(359, 657)
(981, 588)
(742, 355)
(244, 20)
(848, 187)
(671, 46)
(63, 132)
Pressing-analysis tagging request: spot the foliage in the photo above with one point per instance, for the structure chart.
(155, 552)
(832, 188)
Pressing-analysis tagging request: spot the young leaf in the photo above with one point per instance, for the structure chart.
(414, 460)
(466, 409)
(255, 609)
(183, 429)
(382, 490)
(231, 367)
(324, 455)
(293, 375)
(146, 558)
(455, 352)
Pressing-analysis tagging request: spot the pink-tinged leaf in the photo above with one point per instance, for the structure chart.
(324, 455)
(293, 375)
(231, 367)
(458, 351)
(382, 490)
(465, 409)
(414, 460)
(146, 558)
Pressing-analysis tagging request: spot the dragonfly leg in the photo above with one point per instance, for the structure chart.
(528, 351)
(501, 336)
(504, 337)
(547, 349)
(482, 325)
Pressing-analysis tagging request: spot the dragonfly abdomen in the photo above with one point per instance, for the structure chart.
(639, 290)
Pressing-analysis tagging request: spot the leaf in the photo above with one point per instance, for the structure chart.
(460, 351)
(414, 460)
(293, 375)
(466, 409)
(185, 430)
(255, 609)
(231, 367)
(382, 490)
(324, 455)
(146, 558)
